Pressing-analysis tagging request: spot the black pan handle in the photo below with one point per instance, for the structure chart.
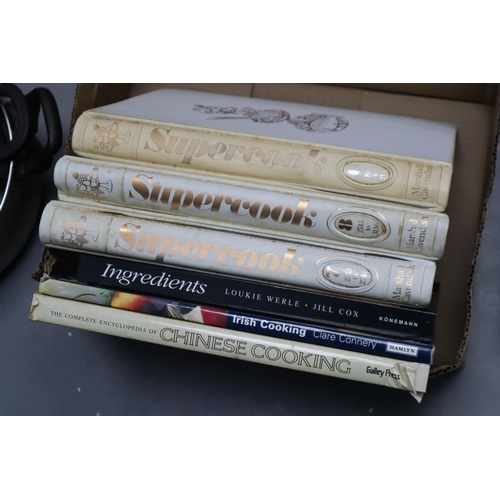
(37, 158)
(21, 133)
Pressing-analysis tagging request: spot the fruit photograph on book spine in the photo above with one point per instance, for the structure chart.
(140, 303)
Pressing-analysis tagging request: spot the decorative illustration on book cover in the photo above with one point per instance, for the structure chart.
(312, 122)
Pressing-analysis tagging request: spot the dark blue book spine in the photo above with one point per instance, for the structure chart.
(349, 341)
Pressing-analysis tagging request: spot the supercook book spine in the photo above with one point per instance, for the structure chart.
(270, 209)
(237, 320)
(398, 374)
(401, 281)
(383, 157)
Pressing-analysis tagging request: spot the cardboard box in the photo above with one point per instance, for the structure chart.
(473, 108)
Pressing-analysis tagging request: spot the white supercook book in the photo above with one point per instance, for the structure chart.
(379, 156)
(193, 246)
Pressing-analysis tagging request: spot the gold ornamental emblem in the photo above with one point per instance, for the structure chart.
(90, 184)
(75, 233)
(107, 138)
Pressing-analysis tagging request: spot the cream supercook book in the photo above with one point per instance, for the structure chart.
(269, 209)
(384, 157)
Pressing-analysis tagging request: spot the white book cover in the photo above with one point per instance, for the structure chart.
(270, 209)
(170, 241)
(346, 151)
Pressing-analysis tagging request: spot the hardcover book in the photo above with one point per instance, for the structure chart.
(397, 280)
(350, 152)
(265, 207)
(230, 292)
(395, 373)
(237, 320)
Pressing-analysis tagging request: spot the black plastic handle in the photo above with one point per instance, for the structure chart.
(20, 137)
(37, 159)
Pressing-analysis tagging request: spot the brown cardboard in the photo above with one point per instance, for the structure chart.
(472, 108)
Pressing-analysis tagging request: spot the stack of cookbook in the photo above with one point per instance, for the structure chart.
(289, 234)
